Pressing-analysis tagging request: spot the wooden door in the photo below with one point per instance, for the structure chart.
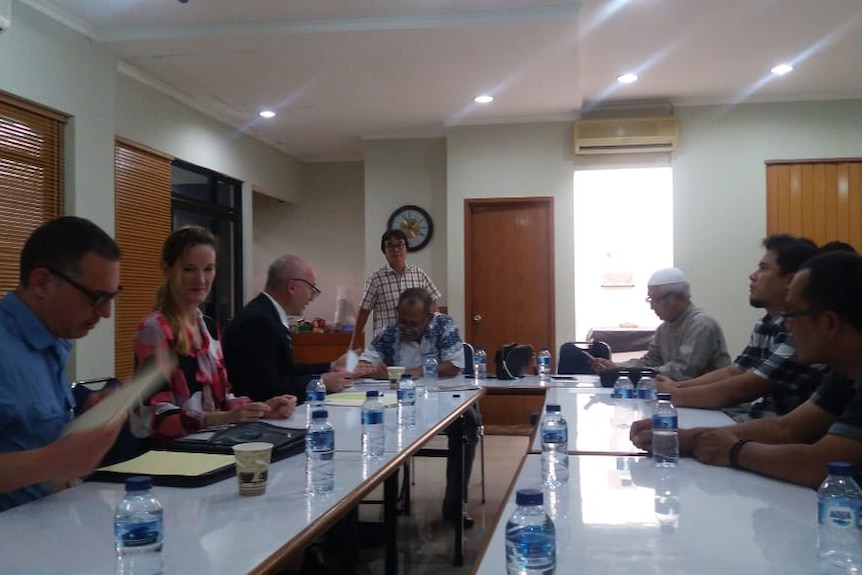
(509, 273)
(818, 199)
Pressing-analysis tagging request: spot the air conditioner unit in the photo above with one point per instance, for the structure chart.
(625, 135)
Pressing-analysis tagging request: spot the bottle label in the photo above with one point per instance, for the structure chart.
(407, 395)
(372, 417)
(545, 361)
(555, 436)
(316, 395)
(625, 393)
(647, 393)
(142, 534)
(664, 421)
(839, 512)
(321, 440)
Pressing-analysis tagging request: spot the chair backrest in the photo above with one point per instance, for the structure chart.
(574, 357)
(468, 359)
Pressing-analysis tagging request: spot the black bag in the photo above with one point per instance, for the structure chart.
(513, 360)
(285, 442)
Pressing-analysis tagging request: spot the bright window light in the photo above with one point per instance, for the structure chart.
(627, 78)
(267, 114)
(484, 99)
(782, 69)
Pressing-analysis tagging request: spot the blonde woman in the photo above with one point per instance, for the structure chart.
(199, 393)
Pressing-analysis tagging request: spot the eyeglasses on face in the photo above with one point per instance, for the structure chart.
(97, 298)
(657, 300)
(789, 314)
(314, 289)
(395, 246)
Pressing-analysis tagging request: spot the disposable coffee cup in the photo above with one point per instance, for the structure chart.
(394, 373)
(252, 466)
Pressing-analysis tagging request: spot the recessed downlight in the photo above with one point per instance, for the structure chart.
(267, 114)
(627, 78)
(483, 99)
(782, 69)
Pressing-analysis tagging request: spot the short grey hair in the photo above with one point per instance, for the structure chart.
(283, 269)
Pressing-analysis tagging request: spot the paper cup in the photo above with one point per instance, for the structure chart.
(252, 466)
(394, 373)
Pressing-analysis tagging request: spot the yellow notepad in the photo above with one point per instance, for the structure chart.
(171, 463)
(357, 399)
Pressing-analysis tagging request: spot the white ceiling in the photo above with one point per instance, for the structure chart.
(340, 72)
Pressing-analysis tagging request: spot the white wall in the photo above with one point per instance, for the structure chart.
(325, 227)
(78, 79)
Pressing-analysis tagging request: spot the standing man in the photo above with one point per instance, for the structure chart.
(767, 368)
(824, 313)
(688, 343)
(418, 332)
(69, 276)
(257, 344)
(383, 287)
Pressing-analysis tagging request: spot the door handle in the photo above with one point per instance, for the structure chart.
(477, 318)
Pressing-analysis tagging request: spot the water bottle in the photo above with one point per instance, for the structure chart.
(646, 396)
(429, 372)
(624, 407)
(665, 440)
(531, 542)
(555, 447)
(480, 363)
(624, 388)
(138, 530)
(544, 362)
(319, 453)
(839, 513)
(406, 402)
(372, 426)
(315, 395)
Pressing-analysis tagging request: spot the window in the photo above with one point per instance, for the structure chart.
(31, 177)
(208, 199)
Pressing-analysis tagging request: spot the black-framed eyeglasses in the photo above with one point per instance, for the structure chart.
(398, 246)
(97, 298)
(789, 314)
(652, 300)
(315, 291)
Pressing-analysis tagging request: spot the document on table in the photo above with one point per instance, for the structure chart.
(357, 399)
(144, 383)
(171, 463)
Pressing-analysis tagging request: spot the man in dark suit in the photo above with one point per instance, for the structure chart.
(257, 343)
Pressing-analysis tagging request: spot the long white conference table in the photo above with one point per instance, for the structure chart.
(213, 529)
(623, 516)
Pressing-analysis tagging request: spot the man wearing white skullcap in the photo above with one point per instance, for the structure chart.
(688, 343)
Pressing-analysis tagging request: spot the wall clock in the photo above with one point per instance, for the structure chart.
(415, 223)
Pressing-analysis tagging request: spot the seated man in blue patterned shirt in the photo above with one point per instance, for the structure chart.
(420, 332)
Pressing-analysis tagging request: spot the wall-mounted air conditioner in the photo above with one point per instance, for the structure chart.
(625, 135)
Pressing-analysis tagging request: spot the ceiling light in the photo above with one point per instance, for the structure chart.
(627, 78)
(782, 69)
(267, 114)
(485, 99)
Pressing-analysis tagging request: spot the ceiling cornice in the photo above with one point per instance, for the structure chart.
(62, 16)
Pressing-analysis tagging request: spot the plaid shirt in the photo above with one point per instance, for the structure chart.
(384, 287)
(441, 338)
(770, 354)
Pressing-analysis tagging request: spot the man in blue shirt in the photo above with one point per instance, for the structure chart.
(419, 332)
(69, 275)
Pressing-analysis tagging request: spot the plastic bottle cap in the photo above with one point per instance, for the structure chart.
(840, 468)
(372, 393)
(529, 497)
(405, 376)
(319, 414)
(663, 396)
(552, 408)
(315, 376)
(139, 483)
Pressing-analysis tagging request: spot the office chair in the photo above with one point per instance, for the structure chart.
(575, 356)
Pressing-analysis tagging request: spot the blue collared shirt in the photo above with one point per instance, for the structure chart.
(35, 396)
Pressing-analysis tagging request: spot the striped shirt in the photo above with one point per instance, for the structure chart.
(384, 287)
(770, 354)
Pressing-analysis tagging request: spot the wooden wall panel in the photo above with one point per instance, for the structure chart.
(818, 200)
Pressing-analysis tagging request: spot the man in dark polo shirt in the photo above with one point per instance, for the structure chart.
(824, 313)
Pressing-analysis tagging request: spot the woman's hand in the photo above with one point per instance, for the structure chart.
(281, 406)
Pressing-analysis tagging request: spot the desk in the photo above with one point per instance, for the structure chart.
(729, 521)
(213, 529)
(599, 423)
(623, 339)
(311, 347)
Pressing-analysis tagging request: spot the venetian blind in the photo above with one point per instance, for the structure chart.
(142, 183)
(31, 177)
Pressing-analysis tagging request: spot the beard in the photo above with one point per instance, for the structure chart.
(756, 303)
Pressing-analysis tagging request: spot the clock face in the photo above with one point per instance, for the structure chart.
(415, 223)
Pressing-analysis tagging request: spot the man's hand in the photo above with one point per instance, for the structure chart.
(712, 446)
(664, 384)
(600, 363)
(78, 454)
(641, 434)
(335, 381)
(281, 406)
(368, 369)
